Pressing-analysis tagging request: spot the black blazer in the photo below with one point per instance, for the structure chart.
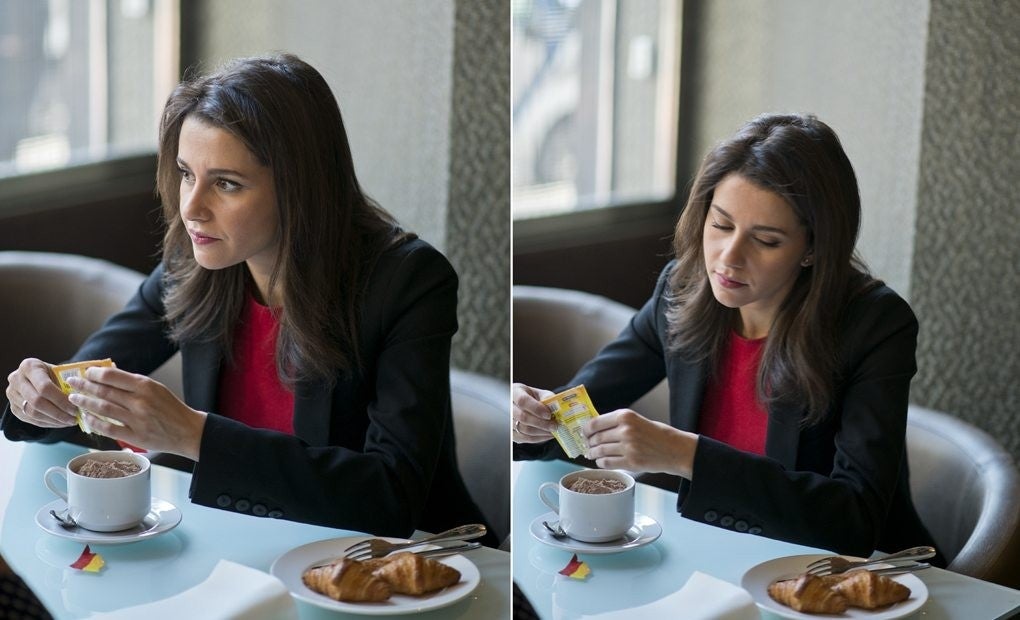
(841, 484)
(375, 453)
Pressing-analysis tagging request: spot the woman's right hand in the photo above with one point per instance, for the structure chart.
(35, 397)
(532, 421)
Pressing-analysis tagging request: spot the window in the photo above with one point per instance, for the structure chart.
(84, 80)
(595, 100)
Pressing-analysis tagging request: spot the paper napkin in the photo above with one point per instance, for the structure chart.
(232, 591)
(703, 597)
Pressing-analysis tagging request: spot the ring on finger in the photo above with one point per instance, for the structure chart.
(517, 426)
(24, 406)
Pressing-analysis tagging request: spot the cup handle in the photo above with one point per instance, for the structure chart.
(555, 486)
(55, 471)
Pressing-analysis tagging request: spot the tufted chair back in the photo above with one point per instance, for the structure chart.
(481, 424)
(555, 331)
(53, 302)
(967, 491)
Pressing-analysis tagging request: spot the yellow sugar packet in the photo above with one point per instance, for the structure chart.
(571, 408)
(62, 372)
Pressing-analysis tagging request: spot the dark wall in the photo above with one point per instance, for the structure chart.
(622, 269)
(124, 230)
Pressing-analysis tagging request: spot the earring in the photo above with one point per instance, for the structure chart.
(806, 262)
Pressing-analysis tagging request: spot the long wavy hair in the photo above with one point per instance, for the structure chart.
(284, 112)
(799, 158)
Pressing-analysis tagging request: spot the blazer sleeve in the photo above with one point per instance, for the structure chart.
(623, 371)
(834, 500)
(382, 485)
(135, 338)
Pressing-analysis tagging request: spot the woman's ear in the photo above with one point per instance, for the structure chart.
(808, 259)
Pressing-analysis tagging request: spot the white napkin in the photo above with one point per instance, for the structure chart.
(703, 597)
(232, 591)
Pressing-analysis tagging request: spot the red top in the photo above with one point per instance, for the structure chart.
(731, 412)
(250, 389)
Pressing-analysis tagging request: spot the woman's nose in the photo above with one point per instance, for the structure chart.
(733, 251)
(192, 204)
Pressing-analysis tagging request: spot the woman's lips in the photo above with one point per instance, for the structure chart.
(726, 282)
(200, 239)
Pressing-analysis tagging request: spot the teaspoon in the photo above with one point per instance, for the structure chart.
(66, 522)
(557, 532)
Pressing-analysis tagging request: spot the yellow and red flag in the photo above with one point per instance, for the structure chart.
(576, 569)
(89, 562)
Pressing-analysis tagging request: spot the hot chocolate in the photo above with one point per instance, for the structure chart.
(95, 468)
(597, 486)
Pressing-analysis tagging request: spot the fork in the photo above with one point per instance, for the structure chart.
(377, 547)
(836, 564)
(438, 552)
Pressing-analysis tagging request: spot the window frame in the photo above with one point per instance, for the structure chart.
(629, 219)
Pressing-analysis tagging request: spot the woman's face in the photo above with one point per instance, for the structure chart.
(754, 245)
(228, 201)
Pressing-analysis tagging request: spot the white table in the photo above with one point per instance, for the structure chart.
(641, 576)
(154, 569)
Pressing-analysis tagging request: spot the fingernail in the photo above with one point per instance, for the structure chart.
(74, 381)
(75, 398)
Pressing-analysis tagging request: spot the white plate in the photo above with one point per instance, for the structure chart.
(289, 567)
(757, 580)
(644, 531)
(162, 517)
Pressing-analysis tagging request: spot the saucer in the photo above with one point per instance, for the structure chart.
(644, 531)
(162, 517)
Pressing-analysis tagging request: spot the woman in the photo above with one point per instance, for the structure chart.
(788, 365)
(314, 332)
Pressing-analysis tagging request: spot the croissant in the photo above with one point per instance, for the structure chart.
(809, 594)
(867, 590)
(347, 580)
(409, 573)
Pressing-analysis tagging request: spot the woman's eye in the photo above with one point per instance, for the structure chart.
(719, 226)
(185, 174)
(768, 243)
(227, 185)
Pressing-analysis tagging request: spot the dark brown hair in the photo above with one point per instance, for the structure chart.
(800, 159)
(283, 110)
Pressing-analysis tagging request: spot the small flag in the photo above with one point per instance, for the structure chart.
(88, 561)
(576, 569)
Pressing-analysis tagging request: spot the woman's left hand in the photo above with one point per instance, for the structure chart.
(153, 417)
(624, 439)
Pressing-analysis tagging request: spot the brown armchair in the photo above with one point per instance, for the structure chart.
(967, 491)
(52, 302)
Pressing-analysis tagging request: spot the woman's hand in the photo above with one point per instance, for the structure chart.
(35, 397)
(152, 416)
(532, 421)
(624, 439)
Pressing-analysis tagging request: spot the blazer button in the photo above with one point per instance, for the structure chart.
(726, 521)
(223, 501)
(711, 516)
(740, 525)
(754, 530)
(242, 505)
(274, 514)
(258, 510)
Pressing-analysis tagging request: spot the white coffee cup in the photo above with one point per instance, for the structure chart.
(104, 504)
(591, 517)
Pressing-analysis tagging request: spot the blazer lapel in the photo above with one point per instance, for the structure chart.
(783, 435)
(200, 370)
(312, 402)
(686, 402)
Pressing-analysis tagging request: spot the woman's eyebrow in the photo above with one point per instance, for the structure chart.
(757, 227)
(214, 171)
